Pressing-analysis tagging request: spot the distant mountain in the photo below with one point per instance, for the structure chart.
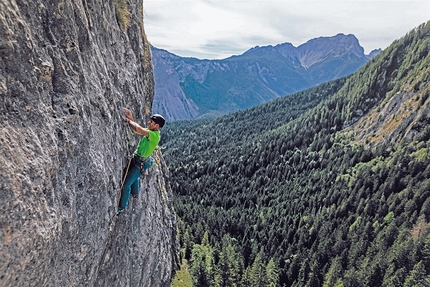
(326, 187)
(189, 88)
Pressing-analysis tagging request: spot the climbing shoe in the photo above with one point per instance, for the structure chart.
(120, 210)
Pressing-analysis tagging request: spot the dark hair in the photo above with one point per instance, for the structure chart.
(158, 119)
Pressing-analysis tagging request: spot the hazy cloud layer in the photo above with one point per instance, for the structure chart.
(218, 29)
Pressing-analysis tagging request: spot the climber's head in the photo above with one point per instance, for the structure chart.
(158, 119)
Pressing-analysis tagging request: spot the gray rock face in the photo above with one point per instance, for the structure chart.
(317, 50)
(66, 68)
(176, 105)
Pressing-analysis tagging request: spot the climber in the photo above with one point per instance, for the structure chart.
(141, 159)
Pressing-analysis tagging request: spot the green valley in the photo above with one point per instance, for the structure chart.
(326, 187)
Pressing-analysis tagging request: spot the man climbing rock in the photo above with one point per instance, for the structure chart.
(141, 160)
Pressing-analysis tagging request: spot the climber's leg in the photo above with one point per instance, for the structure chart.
(130, 184)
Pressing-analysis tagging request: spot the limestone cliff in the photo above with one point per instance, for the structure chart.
(66, 68)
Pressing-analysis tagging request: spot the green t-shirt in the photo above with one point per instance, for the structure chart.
(148, 144)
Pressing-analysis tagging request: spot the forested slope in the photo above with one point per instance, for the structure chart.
(327, 187)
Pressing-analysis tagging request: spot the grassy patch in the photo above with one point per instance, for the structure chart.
(122, 13)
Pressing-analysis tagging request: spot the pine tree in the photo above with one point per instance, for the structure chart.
(258, 271)
(418, 277)
(202, 265)
(332, 276)
(247, 278)
(272, 274)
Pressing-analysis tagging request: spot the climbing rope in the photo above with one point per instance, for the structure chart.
(112, 226)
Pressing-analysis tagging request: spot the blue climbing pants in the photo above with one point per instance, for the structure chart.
(131, 185)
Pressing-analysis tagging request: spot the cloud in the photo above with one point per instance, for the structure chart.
(221, 28)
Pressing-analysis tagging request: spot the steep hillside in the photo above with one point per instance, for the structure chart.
(335, 193)
(66, 68)
(188, 88)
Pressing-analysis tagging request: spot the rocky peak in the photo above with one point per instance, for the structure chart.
(316, 50)
(374, 53)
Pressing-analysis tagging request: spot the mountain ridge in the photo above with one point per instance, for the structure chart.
(189, 88)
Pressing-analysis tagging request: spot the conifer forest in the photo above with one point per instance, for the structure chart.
(326, 187)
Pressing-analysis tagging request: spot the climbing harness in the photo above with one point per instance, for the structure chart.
(142, 163)
(112, 223)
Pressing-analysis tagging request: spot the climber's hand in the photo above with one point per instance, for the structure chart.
(127, 113)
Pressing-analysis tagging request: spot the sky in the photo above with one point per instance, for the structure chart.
(218, 29)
